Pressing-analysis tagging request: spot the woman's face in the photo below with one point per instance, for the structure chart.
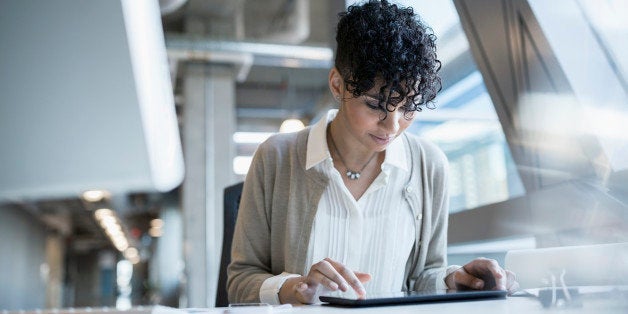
(363, 118)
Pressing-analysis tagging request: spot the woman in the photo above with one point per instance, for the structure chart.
(353, 204)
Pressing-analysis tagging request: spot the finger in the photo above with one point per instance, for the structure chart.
(331, 274)
(489, 271)
(511, 281)
(347, 276)
(321, 277)
(301, 286)
(514, 288)
(305, 293)
(463, 279)
(363, 277)
(499, 275)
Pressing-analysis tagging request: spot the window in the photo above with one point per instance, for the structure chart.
(465, 124)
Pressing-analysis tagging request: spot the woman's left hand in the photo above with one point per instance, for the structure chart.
(482, 274)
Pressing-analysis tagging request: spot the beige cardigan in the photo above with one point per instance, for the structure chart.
(280, 199)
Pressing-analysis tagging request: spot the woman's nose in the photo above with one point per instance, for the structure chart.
(391, 122)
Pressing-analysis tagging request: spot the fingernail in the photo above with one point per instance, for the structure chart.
(333, 286)
(477, 285)
(301, 287)
(344, 287)
(361, 291)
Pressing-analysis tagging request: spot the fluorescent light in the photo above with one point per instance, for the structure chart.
(102, 213)
(154, 92)
(157, 223)
(108, 220)
(291, 125)
(250, 137)
(155, 232)
(241, 164)
(131, 252)
(156, 226)
(95, 195)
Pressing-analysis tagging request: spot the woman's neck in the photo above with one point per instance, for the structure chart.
(351, 150)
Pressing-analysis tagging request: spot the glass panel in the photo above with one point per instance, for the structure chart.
(608, 22)
(465, 124)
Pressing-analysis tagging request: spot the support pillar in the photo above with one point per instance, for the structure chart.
(208, 127)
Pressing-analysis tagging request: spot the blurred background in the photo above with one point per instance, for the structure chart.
(122, 123)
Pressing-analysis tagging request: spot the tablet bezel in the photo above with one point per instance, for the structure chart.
(416, 297)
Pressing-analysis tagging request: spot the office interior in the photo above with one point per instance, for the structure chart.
(122, 123)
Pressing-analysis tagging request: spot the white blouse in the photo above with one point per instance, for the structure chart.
(374, 234)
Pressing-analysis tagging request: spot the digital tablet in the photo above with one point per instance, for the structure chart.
(415, 297)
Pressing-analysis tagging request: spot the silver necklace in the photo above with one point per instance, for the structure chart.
(351, 174)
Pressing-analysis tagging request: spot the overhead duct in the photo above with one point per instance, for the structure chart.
(270, 21)
(289, 21)
(167, 7)
(245, 54)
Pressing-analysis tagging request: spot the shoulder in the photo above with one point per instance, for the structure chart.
(426, 150)
(283, 150)
(283, 143)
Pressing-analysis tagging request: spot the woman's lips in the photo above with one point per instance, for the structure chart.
(382, 140)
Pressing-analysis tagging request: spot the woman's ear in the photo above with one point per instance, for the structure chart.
(336, 83)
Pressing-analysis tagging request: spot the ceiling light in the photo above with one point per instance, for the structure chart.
(121, 246)
(291, 125)
(156, 223)
(131, 253)
(241, 164)
(108, 220)
(95, 195)
(101, 213)
(250, 137)
(155, 232)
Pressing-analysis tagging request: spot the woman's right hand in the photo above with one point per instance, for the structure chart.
(327, 273)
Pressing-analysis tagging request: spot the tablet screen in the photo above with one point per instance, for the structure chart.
(414, 297)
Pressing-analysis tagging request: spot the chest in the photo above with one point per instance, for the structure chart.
(375, 234)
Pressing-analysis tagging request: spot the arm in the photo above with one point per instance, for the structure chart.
(250, 254)
(478, 274)
(428, 195)
(436, 186)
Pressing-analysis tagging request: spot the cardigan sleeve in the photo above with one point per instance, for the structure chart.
(250, 253)
(436, 202)
(267, 236)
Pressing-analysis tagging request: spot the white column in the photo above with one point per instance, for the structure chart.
(208, 125)
(55, 253)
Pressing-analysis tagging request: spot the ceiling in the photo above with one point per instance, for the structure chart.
(280, 35)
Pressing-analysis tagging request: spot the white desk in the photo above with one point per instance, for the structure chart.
(510, 305)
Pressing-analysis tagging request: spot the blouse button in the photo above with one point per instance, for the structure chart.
(408, 189)
(419, 216)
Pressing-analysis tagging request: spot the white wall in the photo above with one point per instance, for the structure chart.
(22, 259)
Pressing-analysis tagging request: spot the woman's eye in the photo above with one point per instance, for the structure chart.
(373, 106)
(409, 111)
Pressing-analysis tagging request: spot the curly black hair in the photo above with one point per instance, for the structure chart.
(378, 40)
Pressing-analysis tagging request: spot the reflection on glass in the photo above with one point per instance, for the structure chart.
(465, 124)
(608, 21)
(466, 127)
